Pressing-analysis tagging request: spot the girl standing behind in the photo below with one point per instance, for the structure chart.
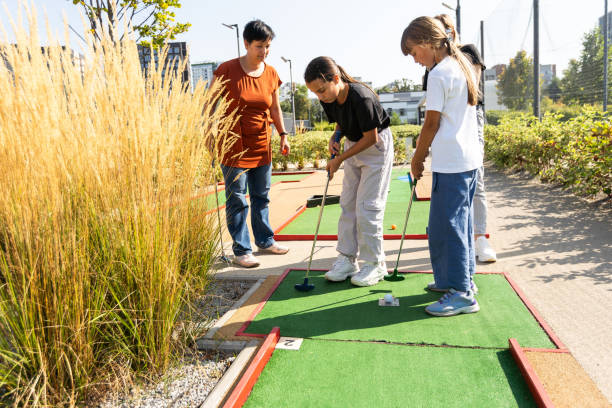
(367, 157)
(484, 252)
(450, 129)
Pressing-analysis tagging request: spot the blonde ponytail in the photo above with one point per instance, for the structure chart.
(430, 31)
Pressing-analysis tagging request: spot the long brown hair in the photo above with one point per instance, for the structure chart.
(325, 68)
(430, 31)
(447, 22)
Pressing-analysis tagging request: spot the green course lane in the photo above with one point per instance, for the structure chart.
(345, 312)
(349, 374)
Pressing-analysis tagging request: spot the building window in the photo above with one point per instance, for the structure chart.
(389, 111)
(402, 112)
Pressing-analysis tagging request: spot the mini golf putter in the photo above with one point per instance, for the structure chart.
(307, 287)
(388, 300)
(395, 277)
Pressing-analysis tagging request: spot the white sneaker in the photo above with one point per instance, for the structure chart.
(370, 274)
(343, 268)
(484, 252)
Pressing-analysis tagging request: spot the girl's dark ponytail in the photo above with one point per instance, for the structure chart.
(325, 68)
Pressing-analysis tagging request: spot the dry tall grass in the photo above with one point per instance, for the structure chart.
(100, 246)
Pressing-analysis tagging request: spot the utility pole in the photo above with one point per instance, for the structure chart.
(482, 74)
(605, 33)
(458, 18)
(457, 11)
(292, 92)
(536, 58)
(231, 27)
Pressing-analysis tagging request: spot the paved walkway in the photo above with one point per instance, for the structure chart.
(555, 246)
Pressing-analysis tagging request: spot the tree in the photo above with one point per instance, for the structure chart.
(515, 83)
(553, 90)
(301, 102)
(583, 79)
(153, 21)
(395, 119)
(317, 114)
(400, 85)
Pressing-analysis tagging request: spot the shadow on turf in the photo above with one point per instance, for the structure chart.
(337, 316)
(576, 231)
(516, 382)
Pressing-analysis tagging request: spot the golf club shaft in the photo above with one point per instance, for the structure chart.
(412, 191)
(336, 137)
(218, 213)
(314, 242)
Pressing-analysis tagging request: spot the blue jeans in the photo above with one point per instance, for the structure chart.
(450, 230)
(258, 181)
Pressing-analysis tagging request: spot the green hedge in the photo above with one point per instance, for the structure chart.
(310, 148)
(576, 153)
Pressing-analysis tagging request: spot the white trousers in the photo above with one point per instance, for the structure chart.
(364, 195)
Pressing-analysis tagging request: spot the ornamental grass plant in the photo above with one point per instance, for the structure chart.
(101, 248)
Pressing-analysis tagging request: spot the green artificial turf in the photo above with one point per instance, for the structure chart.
(210, 199)
(345, 312)
(289, 177)
(371, 375)
(395, 213)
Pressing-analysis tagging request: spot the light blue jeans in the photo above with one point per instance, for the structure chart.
(450, 230)
(258, 181)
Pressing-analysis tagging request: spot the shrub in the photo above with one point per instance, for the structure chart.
(576, 153)
(324, 126)
(311, 147)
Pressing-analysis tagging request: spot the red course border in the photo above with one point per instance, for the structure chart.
(242, 390)
(551, 335)
(531, 378)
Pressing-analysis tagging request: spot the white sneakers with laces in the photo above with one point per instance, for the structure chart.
(343, 268)
(370, 274)
(347, 267)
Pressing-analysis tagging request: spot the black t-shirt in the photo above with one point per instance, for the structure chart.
(360, 112)
(472, 54)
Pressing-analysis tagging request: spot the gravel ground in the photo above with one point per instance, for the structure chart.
(189, 383)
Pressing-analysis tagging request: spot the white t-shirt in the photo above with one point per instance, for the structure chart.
(455, 147)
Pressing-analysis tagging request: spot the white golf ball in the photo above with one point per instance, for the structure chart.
(388, 298)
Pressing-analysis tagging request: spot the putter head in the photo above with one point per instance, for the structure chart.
(395, 277)
(304, 287)
(225, 259)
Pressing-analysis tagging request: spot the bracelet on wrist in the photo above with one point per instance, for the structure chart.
(283, 134)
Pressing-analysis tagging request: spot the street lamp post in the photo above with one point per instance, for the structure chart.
(457, 11)
(292, 92)
(231, 27)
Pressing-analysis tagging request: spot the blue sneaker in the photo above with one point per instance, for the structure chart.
(452, 303)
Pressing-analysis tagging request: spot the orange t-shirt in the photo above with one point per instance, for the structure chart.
(253, 98)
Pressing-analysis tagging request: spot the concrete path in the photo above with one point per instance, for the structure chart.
(557, 247)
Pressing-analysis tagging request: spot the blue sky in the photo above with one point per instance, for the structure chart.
(362, 36)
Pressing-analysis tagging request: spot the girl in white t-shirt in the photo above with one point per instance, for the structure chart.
(450, 129)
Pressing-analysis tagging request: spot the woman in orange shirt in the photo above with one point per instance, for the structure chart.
(251, 87)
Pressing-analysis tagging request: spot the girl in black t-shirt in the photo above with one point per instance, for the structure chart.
(367, 158)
